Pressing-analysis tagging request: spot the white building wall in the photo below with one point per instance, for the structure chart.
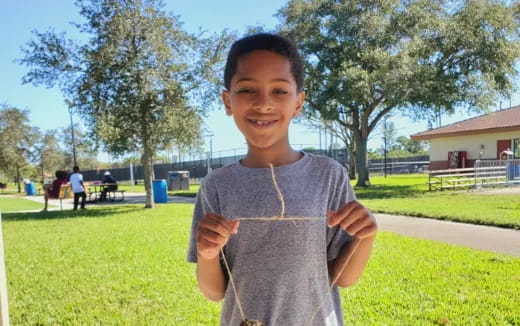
(472, 144)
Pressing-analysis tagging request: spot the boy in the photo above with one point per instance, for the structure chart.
(76, 181)
(281, 269)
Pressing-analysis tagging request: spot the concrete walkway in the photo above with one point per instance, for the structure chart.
(500, 240)
(68, 204)
(488, 238)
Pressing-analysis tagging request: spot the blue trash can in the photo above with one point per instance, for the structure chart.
(30, 189)
(160, 191)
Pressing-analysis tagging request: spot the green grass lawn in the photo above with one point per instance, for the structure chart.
(10, 204)
(125, 265)
(409, 195)
(12, 189)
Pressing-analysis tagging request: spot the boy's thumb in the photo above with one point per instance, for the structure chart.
(235, 226)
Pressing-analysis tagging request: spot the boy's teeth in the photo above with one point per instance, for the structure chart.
(261, 123)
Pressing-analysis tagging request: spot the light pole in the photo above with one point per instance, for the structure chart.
(210, 157)
(72, 133)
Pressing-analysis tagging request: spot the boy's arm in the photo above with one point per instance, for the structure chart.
(356, 220)
(210, 278)
(213, 233)
(357, 253)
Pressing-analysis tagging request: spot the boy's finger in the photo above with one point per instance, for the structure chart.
(216, 227)
(355, 227)
(235, 224)
(206, 244)
(367, 231)
(211, 236)
(343, 212)
(221, 220)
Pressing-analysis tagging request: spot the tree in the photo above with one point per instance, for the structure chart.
(366, 59)
(86, 153)
(414, 147)
(17, 141)
(131, 80)
(50, 155)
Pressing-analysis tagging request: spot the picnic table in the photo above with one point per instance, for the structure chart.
(112, 195)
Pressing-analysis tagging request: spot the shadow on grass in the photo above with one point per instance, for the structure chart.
(90, 212)
(389, 191)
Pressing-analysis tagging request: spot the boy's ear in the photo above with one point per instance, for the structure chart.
(227, 104)
(299, 104)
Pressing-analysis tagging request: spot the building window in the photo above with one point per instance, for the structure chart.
(516, 148)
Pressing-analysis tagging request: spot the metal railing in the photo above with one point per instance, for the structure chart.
(497, 172)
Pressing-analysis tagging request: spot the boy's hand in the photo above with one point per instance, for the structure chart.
(213, 233)
(355, 219)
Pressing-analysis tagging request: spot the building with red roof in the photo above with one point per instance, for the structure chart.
(490, 136)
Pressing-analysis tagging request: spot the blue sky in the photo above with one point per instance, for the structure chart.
(47, 110)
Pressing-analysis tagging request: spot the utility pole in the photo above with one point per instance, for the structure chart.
(319, 131)
(72, 133)
(210, 157)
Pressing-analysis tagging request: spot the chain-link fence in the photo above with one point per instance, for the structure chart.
(401, 165)
(199, 168)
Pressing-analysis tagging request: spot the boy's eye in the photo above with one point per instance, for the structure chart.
(280, 91)
(245, 91)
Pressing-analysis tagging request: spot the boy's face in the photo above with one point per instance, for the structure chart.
(263, 98)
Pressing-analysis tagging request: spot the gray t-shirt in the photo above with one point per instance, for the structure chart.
(279, 267)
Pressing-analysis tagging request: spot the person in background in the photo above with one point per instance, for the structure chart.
(53, 190)
(76, 181)
(112, 185)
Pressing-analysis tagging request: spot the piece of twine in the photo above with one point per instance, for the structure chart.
(350, 252)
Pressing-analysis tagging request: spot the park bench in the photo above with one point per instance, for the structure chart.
(466, 177)
(65, 192)
(3, 186)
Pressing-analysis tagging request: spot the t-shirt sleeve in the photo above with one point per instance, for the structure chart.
(342, 193)
(206, 202)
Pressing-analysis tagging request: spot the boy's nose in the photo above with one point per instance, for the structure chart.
(263, 104)
(261, 108)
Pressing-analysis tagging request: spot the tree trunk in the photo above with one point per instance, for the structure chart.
(18, 178)
(361, 160)
(148, 175)
(352, 165)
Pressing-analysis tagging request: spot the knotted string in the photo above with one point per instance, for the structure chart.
(352, 248)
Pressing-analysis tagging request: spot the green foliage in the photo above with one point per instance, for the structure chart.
(85, 147)
(365, 59)
(50, 154)
(126, 265)
(17, 142)
(400, 147)
(131, 93)
(412, 146)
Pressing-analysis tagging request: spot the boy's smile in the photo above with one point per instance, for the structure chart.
(263, 98)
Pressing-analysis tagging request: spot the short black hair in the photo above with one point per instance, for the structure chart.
(269, 42)
(75, 169)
